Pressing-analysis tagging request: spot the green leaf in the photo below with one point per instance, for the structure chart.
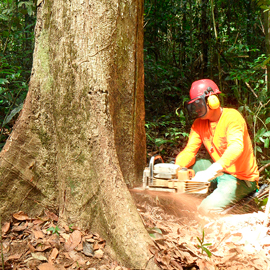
(264, 202)
(260, 132)
(3, 81)
(207, 244)
(12, 114)
(266, 134)
(4, 17)
(266, 143)
(157, 230)
(160, 141)
(207, 251)
(267, 121)
(54, 230)
(200, 241)
(203, 236)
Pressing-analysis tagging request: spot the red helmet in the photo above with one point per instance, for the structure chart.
(200, 87)
(197, 106)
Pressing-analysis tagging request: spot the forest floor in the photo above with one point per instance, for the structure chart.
(183, 239)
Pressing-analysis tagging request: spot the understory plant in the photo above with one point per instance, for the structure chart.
(203, 246)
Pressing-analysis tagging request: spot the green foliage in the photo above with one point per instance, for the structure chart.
(203, 246)
(263, 4)
(184, 41)
(181, 46)
(260, 202)
(166, 132)
(54, 230)
(17, 21)
(70, 228)
(155, 232)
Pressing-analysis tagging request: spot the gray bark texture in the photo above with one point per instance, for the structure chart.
(80, 135)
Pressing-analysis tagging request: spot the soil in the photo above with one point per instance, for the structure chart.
(183, 239)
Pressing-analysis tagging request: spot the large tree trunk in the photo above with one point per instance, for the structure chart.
(82, 124)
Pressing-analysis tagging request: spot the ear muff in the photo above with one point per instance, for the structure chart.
(213, 102)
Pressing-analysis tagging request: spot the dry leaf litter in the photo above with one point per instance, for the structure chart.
(238, 241)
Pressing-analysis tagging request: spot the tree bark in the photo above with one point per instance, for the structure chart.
(82, 125)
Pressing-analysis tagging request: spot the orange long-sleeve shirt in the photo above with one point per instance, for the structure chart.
(227, 142)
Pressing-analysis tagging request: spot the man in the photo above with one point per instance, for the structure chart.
(223, 131)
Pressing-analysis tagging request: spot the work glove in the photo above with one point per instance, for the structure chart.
(209, 174)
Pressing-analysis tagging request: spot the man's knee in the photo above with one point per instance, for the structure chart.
(213, 204)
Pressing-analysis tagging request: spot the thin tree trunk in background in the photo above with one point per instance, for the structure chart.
(204, 38)
(266, 19)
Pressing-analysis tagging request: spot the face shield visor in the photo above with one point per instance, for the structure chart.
(196, 107)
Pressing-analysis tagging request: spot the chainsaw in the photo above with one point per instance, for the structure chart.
(170, 177)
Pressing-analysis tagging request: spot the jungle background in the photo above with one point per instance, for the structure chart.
(184, 40)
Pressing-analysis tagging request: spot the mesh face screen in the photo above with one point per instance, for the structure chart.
(197, 108)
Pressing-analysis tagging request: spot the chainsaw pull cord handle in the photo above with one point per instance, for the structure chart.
(151, 167)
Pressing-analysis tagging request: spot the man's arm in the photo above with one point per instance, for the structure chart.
(235, 143)
(186, 158)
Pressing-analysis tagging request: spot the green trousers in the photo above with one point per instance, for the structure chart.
(224, 190)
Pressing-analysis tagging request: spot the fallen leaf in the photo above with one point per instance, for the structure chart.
(76, 257)
(38, 234)
(53, 255)
(67, 255)
(205, 265)
(43, 247)
(153, 249)
(20, 227)
(88, 249)
(21, 216)
(14, 257)
(51, 215)
(99, 254)
(6, 227)
(99, 245)
(39, 256)
(54, 241)
(46, 266)
(50, 266)
(80, 247)
(96, 236)
(89, 236)
(73, 241)
(176, 265)
(40, 220)
(31, 248)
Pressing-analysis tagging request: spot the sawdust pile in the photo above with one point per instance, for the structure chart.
(183, 239)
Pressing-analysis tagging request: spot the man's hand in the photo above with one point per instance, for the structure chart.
(209, 174)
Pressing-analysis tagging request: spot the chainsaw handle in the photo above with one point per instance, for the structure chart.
(151, 166)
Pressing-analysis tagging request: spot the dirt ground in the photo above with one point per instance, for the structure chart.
(183, 239)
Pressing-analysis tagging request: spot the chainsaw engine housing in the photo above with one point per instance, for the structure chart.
(171, 178)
